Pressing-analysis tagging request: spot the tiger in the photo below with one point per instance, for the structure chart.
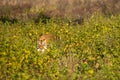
(43, 42)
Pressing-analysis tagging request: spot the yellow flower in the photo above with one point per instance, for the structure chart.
(48, 50)
(65, 47)
(61, 29)
(30, 34)
(85, 62)
(77, 44)
(36, 33)
(66, 31)
(40, 62)
(91, 72)
(14, 36)
(47, 32)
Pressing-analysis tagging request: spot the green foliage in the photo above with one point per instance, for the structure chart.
(7, 19)
(88, 51)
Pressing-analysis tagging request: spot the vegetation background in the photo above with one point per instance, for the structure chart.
(87, 44)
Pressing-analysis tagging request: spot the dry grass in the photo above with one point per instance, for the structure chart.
(28, 9)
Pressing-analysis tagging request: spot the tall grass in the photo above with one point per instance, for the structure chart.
(88, 51)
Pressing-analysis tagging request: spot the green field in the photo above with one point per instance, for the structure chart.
(90, 51)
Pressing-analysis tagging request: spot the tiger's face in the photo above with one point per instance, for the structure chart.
(43, 42)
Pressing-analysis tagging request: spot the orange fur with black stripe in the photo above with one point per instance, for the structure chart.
(43, 41)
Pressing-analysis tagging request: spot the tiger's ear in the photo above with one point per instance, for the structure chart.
(40, 35)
